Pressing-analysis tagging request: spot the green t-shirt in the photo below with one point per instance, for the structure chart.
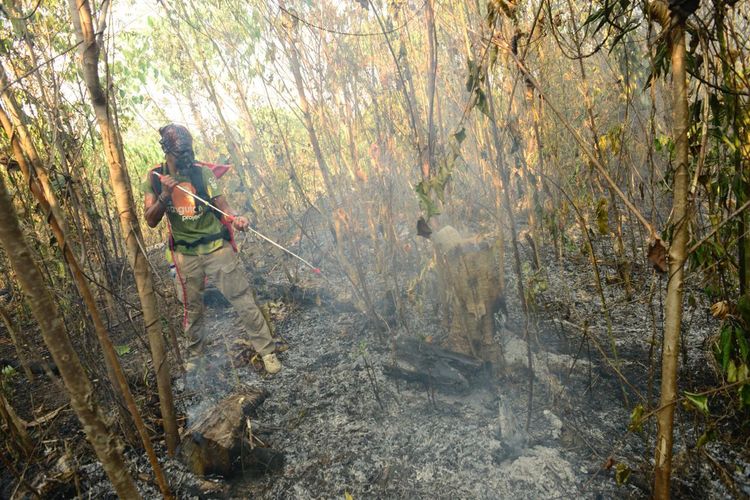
(191, 221)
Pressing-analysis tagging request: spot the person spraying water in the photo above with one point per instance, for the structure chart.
(231, 218)
(201, 225)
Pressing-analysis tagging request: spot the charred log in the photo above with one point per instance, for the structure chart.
(433, 366)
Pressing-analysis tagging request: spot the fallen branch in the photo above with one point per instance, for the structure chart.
(46, 418)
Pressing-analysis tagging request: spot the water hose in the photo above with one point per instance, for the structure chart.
(231, 218)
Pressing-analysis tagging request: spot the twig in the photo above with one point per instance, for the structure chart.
(350, 33)
(21, 17)
(373, 382)
(721, 224)
(21, 479)
(35, 68)
(725, 476)
(582, 145)
(604, 355)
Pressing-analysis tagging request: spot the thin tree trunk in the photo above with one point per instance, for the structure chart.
(16, 435)
(734, 112)
(83, 23)
(429, 168)
(504, 178)
(677, 257)
(404, 76)
(19, 122)
(20, 352)
(614, 212)
(22, 149)
(52, 327)
(114, 370)
(307, 119)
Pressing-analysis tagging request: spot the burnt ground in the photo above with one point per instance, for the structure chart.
(346, 428)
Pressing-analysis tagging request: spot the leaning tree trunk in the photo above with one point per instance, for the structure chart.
(16, 438)
(23, 147)
(114, 370)
(83, 22)
(677, 257)
(73, 374)
(304, 104)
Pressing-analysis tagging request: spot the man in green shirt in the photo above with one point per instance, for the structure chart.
(201, 242)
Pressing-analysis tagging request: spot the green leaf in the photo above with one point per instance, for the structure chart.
(628, 28)
(698, 401)
(425, 201)
(122, 350)
(622, 474)
(472, 80)
(8, 371)
(706, 437)
(636, 424)
(401, 51)
(482, 102)
(732, 372)
(742, 343)
(725, 345)
(597, 15)
(744, 393)
(661, 63)
(743, 307)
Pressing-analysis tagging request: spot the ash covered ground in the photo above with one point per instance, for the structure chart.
(346, 428)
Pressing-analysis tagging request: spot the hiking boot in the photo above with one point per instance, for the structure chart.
(281, 345)
(272, 363)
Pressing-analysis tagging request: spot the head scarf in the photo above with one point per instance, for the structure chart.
(176, 139)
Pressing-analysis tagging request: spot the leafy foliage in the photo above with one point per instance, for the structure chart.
(431, 191)
(732, 349)
(474, 82)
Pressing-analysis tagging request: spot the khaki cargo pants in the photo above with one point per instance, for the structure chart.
(224, 270)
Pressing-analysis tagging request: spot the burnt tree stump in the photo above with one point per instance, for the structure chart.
(218, 442)
(471, 283)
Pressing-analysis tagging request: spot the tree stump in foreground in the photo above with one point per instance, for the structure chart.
(471, 278)
(220, 441)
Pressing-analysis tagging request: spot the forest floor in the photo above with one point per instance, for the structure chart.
(345, 427)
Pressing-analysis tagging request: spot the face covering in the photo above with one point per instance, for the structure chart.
(176, 140)
(184, 159)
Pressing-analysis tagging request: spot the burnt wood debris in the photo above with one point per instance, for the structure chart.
(374, 249)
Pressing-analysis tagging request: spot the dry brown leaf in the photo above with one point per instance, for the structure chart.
(657, 255)
(720, 310)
